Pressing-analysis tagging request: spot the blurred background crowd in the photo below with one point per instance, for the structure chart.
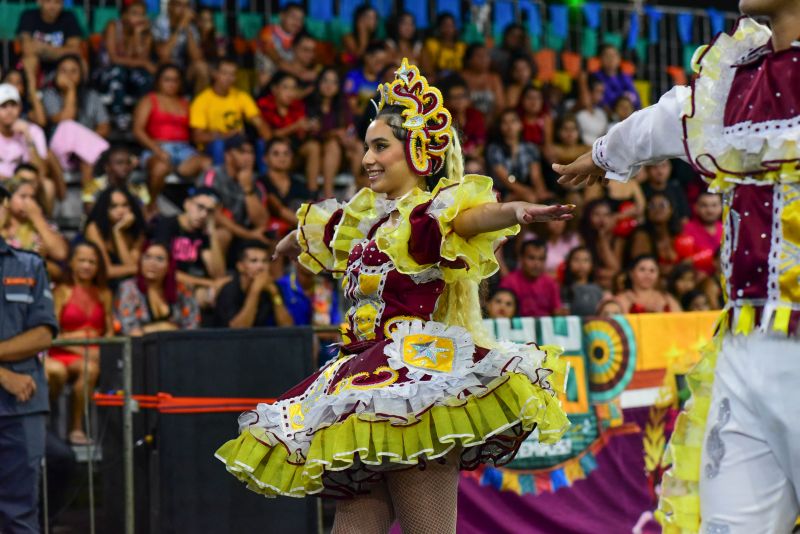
(155, 165)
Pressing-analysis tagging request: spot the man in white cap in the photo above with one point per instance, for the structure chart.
(21, 141)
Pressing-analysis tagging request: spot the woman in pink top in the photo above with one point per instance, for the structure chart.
(161, 125)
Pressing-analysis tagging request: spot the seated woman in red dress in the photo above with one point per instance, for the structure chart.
(83, 308)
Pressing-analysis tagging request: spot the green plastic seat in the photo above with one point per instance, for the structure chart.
(80, 14)
(471, 34)
(317, 28)
(101, 16)
(10, 18)
(337, 29)
(613, 38)
(249, 24)
(221, 23)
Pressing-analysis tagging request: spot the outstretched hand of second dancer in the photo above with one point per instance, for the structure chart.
(287, 247)
(579, 171)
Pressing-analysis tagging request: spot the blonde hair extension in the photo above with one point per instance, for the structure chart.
(460, 303)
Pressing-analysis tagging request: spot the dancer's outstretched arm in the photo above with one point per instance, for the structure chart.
(496, 216)
(652, 134)
(474, 221)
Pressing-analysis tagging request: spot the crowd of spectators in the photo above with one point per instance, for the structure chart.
(191, 167)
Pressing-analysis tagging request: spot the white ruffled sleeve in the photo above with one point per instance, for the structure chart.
(651, 134)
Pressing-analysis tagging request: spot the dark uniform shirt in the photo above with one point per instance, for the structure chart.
(25, 303)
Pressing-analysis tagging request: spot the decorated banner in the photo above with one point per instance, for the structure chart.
(602, 357)
(622, 397)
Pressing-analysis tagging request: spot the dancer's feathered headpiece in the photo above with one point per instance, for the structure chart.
(427, 121)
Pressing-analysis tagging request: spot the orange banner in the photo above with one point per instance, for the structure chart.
(661, 337)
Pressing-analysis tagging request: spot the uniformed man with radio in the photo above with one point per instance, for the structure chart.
(27, 327)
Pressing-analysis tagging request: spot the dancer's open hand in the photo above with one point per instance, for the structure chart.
(579, 171)
(287, 247)
(529, 213)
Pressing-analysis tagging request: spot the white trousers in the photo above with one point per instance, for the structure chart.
(751, 456)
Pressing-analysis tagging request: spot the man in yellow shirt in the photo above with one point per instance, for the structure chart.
(221, 111)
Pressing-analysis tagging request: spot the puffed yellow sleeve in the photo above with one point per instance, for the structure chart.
(425, 236)
(316, 226)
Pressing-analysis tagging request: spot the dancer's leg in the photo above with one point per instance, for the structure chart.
(425, 501)
(743, 486)
(366, 514)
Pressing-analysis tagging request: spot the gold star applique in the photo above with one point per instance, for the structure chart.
(429, 351)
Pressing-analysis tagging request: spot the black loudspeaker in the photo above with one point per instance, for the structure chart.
(180, 486)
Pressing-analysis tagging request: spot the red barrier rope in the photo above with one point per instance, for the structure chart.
(166, 403)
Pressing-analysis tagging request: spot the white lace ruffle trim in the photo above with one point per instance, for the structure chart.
(398, 402)
(752, 136)
(705, 132)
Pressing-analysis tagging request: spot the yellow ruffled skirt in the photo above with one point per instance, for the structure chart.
(343, 457)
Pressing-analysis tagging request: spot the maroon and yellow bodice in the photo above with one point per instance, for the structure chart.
(742, 132)
(397, 256)
(381, 295)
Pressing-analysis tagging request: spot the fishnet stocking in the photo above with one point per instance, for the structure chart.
(366, 514)
(425, 501)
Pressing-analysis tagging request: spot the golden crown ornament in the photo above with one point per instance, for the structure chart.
(426, 119)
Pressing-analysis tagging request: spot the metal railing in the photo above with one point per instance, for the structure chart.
(129, 406)
(127, 427)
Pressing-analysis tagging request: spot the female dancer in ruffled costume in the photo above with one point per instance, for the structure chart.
(418, 391)
(736, 450)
